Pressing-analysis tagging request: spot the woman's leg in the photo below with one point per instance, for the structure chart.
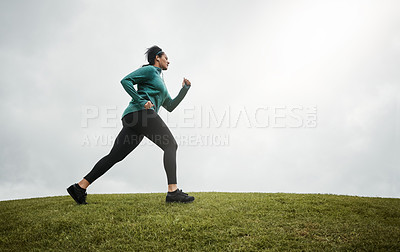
(126, 141)
(153, 127)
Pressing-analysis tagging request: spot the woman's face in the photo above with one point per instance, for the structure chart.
(163, 62)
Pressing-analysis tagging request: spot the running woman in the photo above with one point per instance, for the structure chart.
(140, 119)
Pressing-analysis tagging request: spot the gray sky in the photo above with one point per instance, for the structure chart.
(291, 96)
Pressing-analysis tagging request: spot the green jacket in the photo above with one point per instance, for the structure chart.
(150, 87)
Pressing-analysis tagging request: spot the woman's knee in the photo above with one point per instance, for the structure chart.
(170, 144)
(175, 145)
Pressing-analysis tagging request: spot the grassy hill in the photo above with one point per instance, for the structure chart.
(215, 221)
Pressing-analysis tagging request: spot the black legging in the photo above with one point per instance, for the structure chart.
(136, 125)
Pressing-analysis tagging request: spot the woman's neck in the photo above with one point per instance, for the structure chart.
(157, 64)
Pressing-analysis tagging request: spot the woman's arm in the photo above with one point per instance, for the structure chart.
(170, 104)
(138, 76)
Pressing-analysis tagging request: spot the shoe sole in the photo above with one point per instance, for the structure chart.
(70, 190)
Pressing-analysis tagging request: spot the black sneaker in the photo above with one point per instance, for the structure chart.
(178, 196)
(78, 194)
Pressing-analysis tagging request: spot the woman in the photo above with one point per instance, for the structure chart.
(140, 119)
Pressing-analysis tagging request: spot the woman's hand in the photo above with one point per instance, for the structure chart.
(148, 105)
(186, 81)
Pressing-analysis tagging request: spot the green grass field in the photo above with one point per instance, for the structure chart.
(216, 221)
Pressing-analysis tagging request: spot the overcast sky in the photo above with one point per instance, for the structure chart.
(286, 96)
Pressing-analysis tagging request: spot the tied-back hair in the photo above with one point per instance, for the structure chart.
(151, 53)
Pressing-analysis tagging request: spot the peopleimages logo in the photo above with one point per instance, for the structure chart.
(207, 118)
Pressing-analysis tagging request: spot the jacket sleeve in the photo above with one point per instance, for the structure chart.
(140, 75)
(170, 104)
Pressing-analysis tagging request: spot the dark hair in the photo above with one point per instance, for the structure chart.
(151, 53)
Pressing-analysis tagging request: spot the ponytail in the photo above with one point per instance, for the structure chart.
(151, 53)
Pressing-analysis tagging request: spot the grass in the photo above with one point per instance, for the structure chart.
(216, 221)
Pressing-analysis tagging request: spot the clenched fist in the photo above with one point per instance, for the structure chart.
(186, 81)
